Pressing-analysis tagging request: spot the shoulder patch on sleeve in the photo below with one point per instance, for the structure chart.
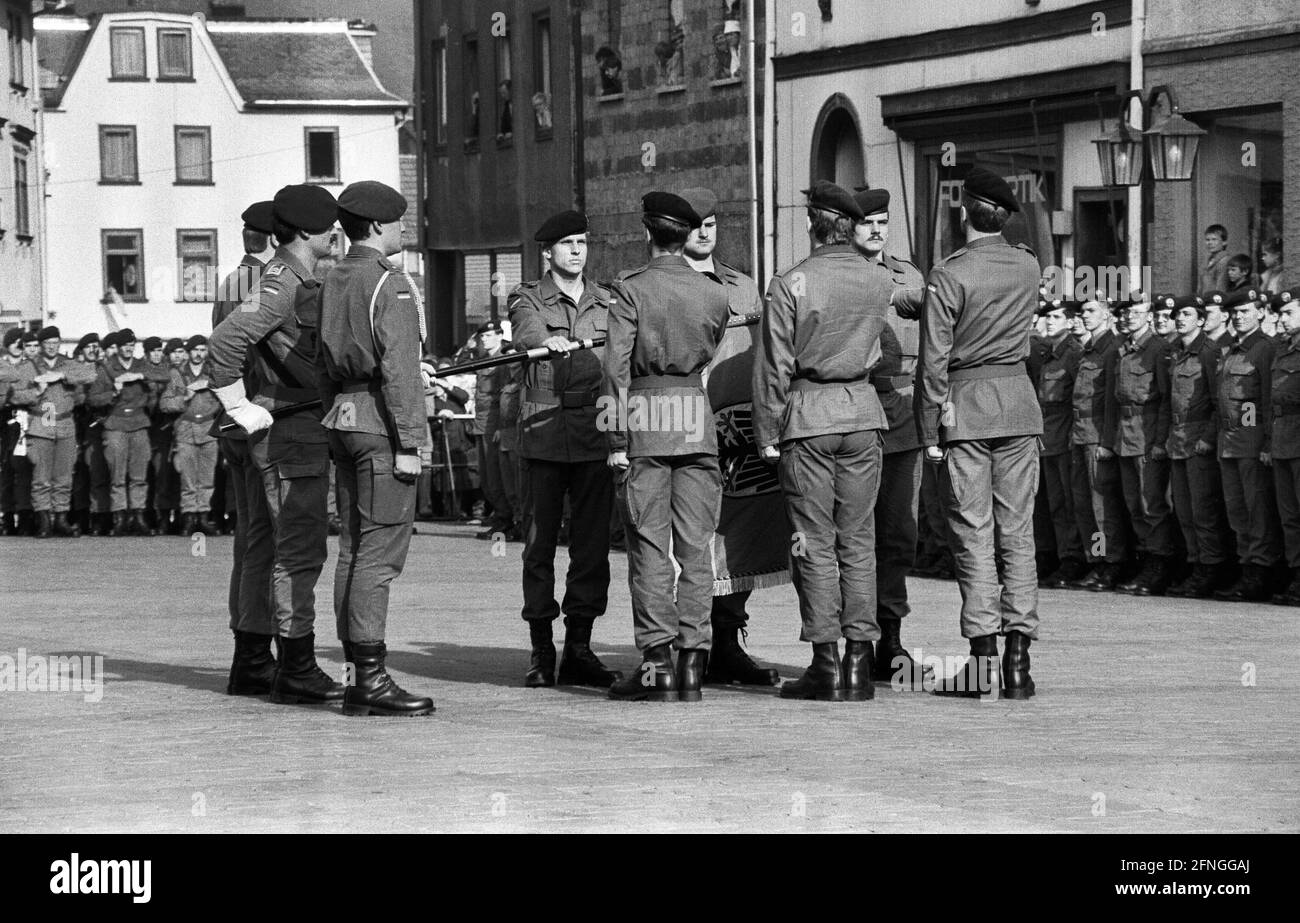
(272, 271)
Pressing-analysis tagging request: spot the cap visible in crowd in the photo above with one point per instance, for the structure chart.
(125, 335)
(260, 217)
(1215, 297)
(197, 340)
(490, 327)
(702, 200)
(173, 344)
(987, 186)
(86, 341)
(829, 197)
(152, 343)
(306, 207)
(1186, 301)
(110, 340)
(1239, 296)
(872, 201)
(12, 336)
(670, 207)
(373, 200)
(29, 336)
(558, 227)
(49, 333)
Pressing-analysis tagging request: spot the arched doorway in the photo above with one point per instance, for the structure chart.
(837, 144)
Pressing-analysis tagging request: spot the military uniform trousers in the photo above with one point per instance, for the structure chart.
(376, 511)
(590, 489)
(509, 462)
(489, 464)
(196, 463)
(1198, 505)
(165, 480)
(1248, 494)
(1099, 511)
(249, 598)
(728, 612)
(989, 487)
(1286, 479)
(830, 484)
(1146, 486)
(52, 463)
(670, 506)
(1058, 481)
(896, 530)
(15, 473)
(100, 479)
(932, 519)
(127, 454)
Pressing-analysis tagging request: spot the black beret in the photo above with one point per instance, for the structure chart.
(125, 335)
(872, 201)
(702, 200)
(1239, 296)
(259, 217)
(49, 333)
(29, 336)
(373, 201)
(109, 340)
(489, 327)
(12, 336)
(670, 207)
(1286, 296)
(86, 341)
(558, 227)
(197, 340)
(152, 343)
(306, 207)
(173, 344)
(987, 186)
(829, 197)
(1187, 301)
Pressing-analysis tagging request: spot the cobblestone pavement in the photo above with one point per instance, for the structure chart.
(1152, 716)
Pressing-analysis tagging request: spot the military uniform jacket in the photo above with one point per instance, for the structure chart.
(895, 374)
(1244, 384)
(1093, 380)
(10, 380)
(52, 410)
(487, 395)
(368, 358)
(274, 331)
(665, 323)
(1191, 396)
(557, 409)
(236, 287)
(817, 342)
(1137, 407)
(195, 414)
(128, 409)
(975, 325)
(1056, 392)
(1285, 403)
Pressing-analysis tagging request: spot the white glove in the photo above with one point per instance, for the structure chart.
(251, 417)
(427, 374)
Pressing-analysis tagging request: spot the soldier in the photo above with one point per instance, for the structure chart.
(1098, 498)
(1284, 451)
(368, 372)
(87, 353)
(1243, 387)
(125, 390)
(190, 397)
(727, 663)
(665, 323)
(53, 386)
(813, 397)
(975, 400)
(273, 334)
(487, 416)
(1164, 320)
(15, 470)
(1194, 476)
(563, 454)
(164, 487)
(1056, 401)
(1217, 331)
(96, 461)
(259, 247)
(893, 379)
(177, 354)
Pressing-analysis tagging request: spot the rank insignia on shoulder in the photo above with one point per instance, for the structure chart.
(401, 295)
(273, 271)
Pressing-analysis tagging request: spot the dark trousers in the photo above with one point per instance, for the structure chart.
(937, 537)
(989, 486)
(1248, 494)
(490, 458)
(1197, 490)
(728, 612)
(249, 598)
(830, 485)
(376, 511)
(127, 454)
(1057, 479)
(15, 473)
(590, 489)
(1146, 486)
(1099, 511)
(896, 528)
(52, 462)
(1286, 480)
(101, 481)
(670, 506)
(165, 480)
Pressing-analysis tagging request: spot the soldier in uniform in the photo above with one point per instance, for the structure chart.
(127, 393)
(1284, 447)
(164, 486)
(1218, 328)
(177, 354)
(728, 663)
(1056, 401)
(368, 372)
(665, 323)
(1194, 473)
(1243, 387)
(101, 481)
(487, 417)
(15, 471)
(87, 352)
(979, 419)
(563, 454)
(53, 387)
(189, 396)
(272, 333)
(813, 398)
(258, 249)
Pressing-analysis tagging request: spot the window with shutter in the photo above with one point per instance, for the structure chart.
(196, 256)
(174, 54)
(126, 49)
(117, 163)
(193, 154)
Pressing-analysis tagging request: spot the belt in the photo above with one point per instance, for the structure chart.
(1203, 417)
(987, 371)
(65, 415)
(565, 399)
(372, 385)
(641, 382)
(885, 383)
(808, 384)
(288, 395)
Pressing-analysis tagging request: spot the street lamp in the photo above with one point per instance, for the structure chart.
(1171, 142)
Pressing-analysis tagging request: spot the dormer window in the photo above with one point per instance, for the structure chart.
(174, 61)
(127, 53)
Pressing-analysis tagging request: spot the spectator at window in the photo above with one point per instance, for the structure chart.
(611, 71)
(1238, 273)
(1275, 277)
(1214, 274)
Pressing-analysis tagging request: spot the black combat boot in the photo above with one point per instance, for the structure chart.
(1154, 579)
(27, 523)
(119, 524)
(7, 526)
(1236, 592)
(1100, 579)
(1290, 594)
(856, 668)
(299, 679)
(1181, 589)
(138, 526)
(373, 691)
(188, 526)
(728, 662)
(253, 669)
(981, 674)
(1016, 681)
(823, 680)
(1256, 586)
(652, 681)
(892, 660)
(541, 664)
(579, 666)
(690, 674)
(44, 524)
(203, 523)
(66, 526)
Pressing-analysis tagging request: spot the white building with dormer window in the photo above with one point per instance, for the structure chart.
(161, 128)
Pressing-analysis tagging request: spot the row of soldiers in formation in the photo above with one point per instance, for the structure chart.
(1173, 436)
